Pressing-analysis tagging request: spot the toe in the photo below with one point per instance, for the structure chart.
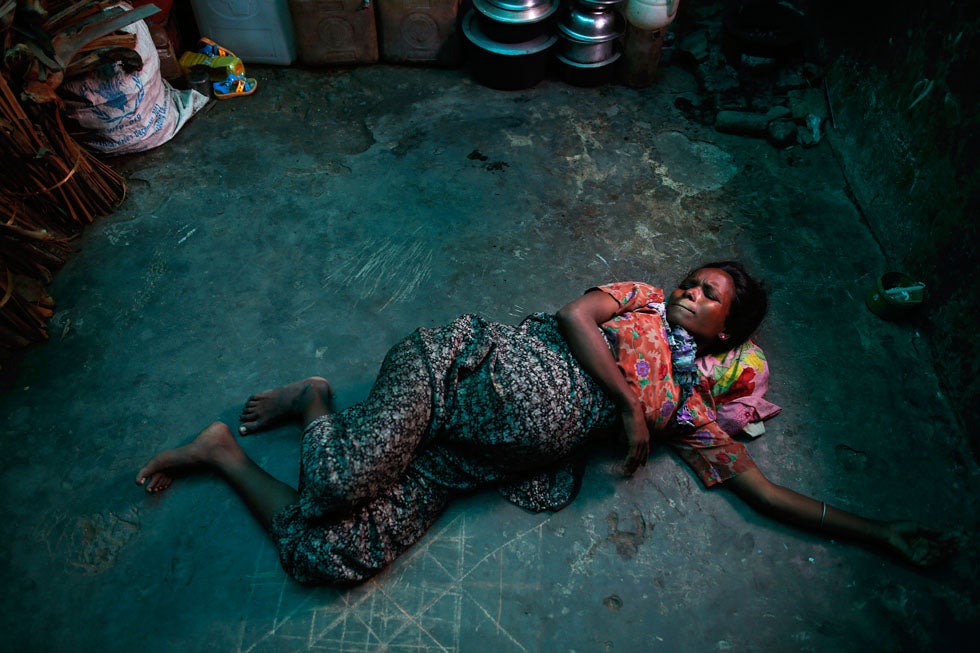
(158, 482)
(143, 476)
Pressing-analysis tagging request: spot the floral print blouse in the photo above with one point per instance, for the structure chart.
(638, 337)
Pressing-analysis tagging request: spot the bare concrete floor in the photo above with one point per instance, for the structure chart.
(305, 229)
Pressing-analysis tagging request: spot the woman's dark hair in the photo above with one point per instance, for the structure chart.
(749, 304)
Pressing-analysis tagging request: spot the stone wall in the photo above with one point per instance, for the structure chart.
(904, 94)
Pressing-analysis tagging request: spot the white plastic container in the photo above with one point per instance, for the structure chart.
(257, 31)
(651, 14)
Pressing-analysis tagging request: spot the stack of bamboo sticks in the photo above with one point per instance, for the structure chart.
(49, 186)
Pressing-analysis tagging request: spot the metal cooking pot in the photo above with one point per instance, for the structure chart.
(586, 51)
(506, 66)
(595, 25)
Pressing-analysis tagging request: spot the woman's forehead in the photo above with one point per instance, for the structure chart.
(710, 275)
(713, 277)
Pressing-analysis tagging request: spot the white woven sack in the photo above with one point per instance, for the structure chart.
(128, 112)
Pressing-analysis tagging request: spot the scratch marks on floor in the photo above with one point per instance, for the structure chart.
(388, 270)
(156, 271)
(517, 311)
(429, 601)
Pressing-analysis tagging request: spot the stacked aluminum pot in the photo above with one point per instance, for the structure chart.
(510, 41)
(589, 45)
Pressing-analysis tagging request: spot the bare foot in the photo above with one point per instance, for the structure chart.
(918, 545)
(214, 446)
(303, 400)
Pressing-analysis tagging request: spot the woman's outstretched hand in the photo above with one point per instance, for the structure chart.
(918, 545)
(638, 437)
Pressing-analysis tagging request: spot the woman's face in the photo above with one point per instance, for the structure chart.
(701, 304)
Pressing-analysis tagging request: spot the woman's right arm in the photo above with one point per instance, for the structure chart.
(579, 322)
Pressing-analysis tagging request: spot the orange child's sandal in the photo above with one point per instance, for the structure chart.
(210, 48)
(235, 86)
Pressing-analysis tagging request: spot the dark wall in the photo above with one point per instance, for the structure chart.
(903, 82)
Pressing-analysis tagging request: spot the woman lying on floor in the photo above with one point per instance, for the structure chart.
(478, 404)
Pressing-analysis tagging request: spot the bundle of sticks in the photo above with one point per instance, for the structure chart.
(29, 256)
(49, 186)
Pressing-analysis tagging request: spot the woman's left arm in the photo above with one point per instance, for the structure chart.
(908, 540)
(579, 322)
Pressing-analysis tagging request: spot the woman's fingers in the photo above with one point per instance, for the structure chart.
(638, 436)
(638, 454)
(919, 545)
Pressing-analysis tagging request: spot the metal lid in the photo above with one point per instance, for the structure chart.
(516, 15)
(471, 28)
(518, 5)
(592, 28)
